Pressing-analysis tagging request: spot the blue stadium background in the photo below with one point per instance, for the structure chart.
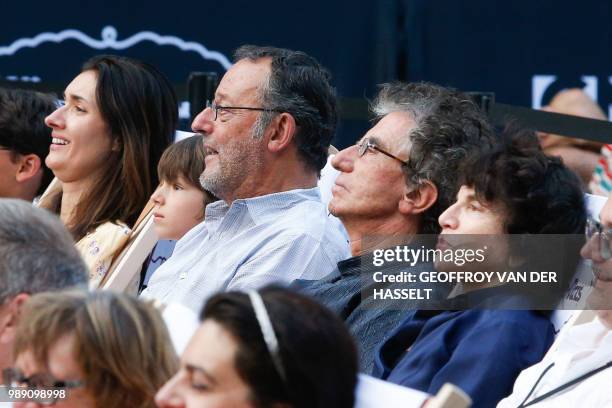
(524, 51)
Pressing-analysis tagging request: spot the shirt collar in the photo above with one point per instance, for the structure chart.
(350, 266)
(264, 206)
(215, 210)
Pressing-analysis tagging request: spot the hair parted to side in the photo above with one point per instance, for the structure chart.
(37, 253)
(309, 335)
(22, 126)
(300, 86)
(138, 104)
(122, 345)
(447, 127)
(185, 158)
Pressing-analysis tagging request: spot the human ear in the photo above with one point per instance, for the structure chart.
(419, 199)
(29, 165)
(11, 319)
(282, 130)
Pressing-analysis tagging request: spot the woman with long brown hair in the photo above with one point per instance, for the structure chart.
(119, 116)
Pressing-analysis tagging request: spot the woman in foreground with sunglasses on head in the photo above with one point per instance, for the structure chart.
(266, 349)
(102, 349)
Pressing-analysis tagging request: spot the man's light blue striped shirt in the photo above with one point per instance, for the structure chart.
(275, 238)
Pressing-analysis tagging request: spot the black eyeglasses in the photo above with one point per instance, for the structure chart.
(216, 108)
(604, 234)
(13, 378)
(368, 143)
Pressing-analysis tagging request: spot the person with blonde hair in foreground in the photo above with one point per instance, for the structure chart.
(104, 349)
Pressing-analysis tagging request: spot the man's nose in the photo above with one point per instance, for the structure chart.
(203, 122)
(344, 160)
(592, 249)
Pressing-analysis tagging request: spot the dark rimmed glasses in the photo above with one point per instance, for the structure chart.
(367, 143)
(605, 235)
(216, 108)
(13, 378)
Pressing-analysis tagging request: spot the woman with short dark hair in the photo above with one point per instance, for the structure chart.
(271, 348)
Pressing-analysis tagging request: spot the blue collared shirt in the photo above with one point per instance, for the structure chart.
(480, 351)
(370, 321)
(275, 238)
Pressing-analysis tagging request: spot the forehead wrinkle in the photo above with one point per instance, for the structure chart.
(245, 80)
(240, 95)
(220, 95)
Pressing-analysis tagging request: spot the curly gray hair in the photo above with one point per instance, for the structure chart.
(448, 127)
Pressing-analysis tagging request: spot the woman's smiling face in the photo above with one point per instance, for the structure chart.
(82, 142)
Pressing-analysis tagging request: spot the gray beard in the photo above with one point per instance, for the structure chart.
(246, 160)
(212, 183)
(243, 163)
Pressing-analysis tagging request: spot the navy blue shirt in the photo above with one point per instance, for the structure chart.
(480, 351)
(370, 321)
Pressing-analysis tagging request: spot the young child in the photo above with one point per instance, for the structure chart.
(180, 199)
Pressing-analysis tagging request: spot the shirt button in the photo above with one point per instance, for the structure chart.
(182, 275)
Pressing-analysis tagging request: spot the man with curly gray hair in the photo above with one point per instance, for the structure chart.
(393, 185)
